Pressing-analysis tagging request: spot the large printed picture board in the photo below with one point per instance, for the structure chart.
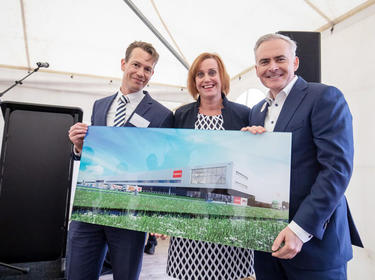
(227, 187)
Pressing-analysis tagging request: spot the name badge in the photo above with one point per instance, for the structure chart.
(139, 121)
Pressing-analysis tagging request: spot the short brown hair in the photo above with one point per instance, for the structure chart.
(224, 77)
(147, 47)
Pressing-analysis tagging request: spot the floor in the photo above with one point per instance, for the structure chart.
(153, 265)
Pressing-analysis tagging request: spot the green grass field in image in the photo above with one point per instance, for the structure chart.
(95, 198)
(254, 234)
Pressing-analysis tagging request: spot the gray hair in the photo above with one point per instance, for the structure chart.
(275, 36)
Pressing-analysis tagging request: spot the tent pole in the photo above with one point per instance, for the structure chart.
(156, 32)
(25, 34)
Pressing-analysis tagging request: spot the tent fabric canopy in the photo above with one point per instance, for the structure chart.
(90, 37)
(84, 40)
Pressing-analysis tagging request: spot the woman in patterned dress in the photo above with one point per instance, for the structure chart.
(208, 83)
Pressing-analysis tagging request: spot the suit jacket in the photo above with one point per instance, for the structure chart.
(235, 115)
(158, 116)
(321, 166)
(148, 108)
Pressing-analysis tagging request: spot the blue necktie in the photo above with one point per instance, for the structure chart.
(121, 111)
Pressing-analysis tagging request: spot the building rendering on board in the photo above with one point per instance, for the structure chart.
(221, 182)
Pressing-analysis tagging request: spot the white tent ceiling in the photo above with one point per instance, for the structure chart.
(90, 36)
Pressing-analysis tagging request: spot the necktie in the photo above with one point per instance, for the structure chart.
(121, 111)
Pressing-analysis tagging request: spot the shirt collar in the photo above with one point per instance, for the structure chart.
(286, 90)
(134, 97)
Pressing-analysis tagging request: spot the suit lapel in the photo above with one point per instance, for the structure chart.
(291, 104)
(258, 118)
(102, 118)
(192, 116)
(142, 107)
(226, 112)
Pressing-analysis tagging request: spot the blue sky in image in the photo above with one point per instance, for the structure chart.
(109, 152)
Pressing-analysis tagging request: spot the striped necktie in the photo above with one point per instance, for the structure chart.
(121, 111)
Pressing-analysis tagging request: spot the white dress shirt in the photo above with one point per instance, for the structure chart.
(274, 109)
(135, 98)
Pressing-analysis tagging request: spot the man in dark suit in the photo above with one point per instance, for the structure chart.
(130, 106)
(317, 244)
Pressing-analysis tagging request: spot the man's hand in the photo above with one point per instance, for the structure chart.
(76, 134)
(286, 245)
(254, 129)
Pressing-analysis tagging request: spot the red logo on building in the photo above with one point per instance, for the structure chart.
(177, 173)
(237, 200)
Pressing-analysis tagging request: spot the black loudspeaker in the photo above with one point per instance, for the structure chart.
(35, 181)
(308, 51)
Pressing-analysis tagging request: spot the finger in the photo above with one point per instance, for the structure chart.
(78, 126)
(260, 129)
(77, 137)
(75, 126)
(285, 253)
(289, 250)
(278, 241)
(251, 129)
(78, 143)
(77, 133)
(76, 130)
(281, 253)
(255, 129)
